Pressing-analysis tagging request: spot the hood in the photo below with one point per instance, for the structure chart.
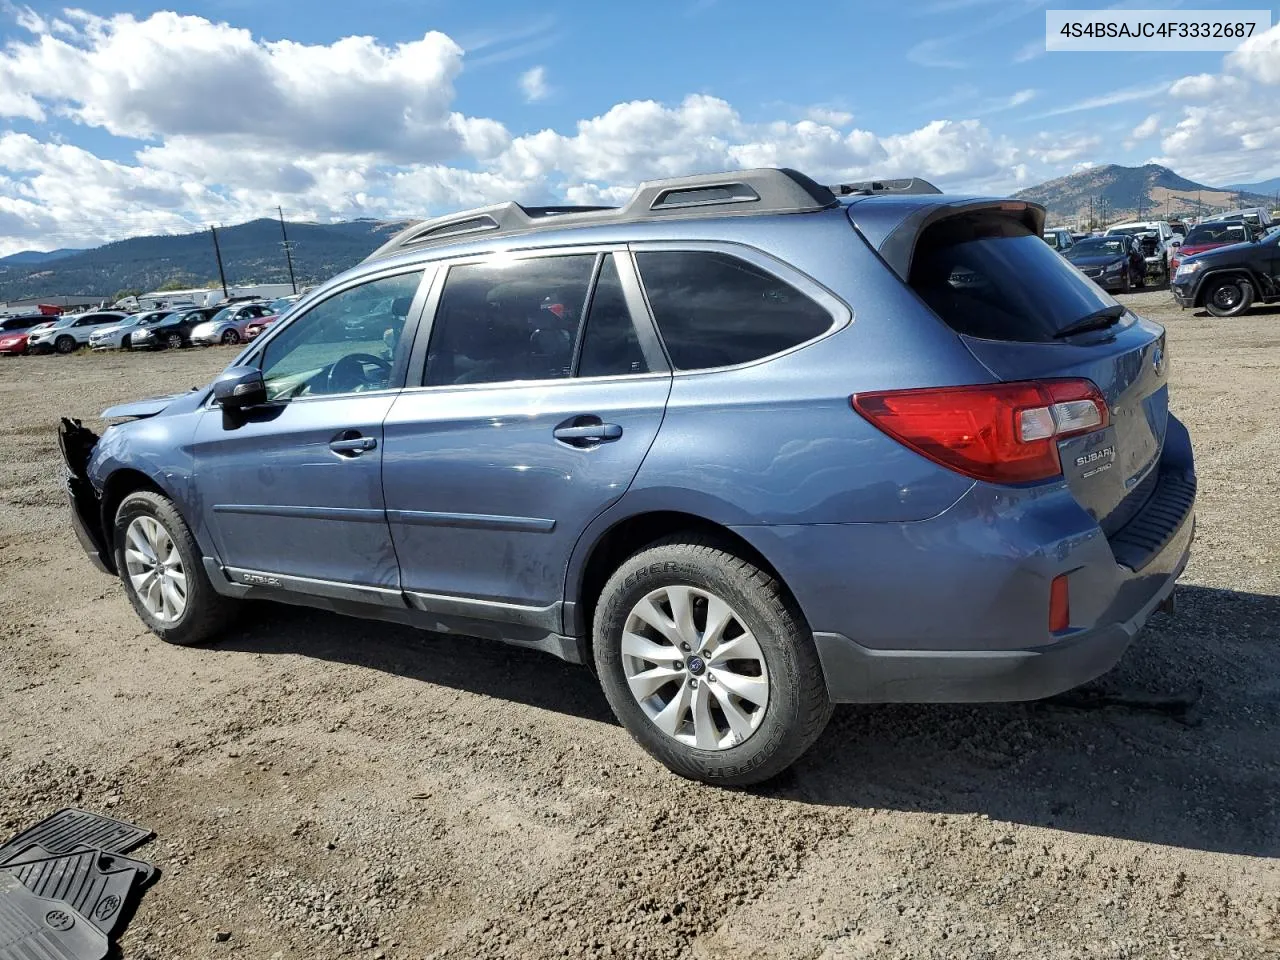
(140, 408)
(1227, 251)
(1097, 260)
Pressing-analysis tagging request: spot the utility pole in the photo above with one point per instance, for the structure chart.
(288, 252)
(217, 252)
(1091, 213)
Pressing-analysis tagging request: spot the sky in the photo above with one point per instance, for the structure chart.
(153, 117)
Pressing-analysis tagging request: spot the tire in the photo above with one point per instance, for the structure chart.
(1228, 297)
(65, 344)
(204, 613)
(173, 341)
(797, 707)
(230, 337)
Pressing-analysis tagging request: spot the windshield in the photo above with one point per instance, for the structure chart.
(1099, 247)
(225, 313)
(65, 321)
(281, 305)
(151, 319)
(1130, 231)
(1217, 233)
(987, 275)
(1052, 240)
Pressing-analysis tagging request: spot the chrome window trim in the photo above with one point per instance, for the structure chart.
(841, 313)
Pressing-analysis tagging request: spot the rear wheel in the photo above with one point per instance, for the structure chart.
(65, 344)
(1229, 297)
(231, 337)
(160, 566)
(708, 664)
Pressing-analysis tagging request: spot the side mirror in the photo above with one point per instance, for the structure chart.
(239, 387)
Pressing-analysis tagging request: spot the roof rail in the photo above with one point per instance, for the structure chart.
(908, 185)
(736, 193)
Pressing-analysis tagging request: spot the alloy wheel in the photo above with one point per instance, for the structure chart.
(694, 667)
(231, 337)
(155, 569)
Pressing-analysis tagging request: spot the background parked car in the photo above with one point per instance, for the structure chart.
(1228, 280)
(170, 330)
(116, 336)
(71, 332)
(1112, 262)
(1158, 244)
(1059, 238)
(1210, 235)
(229, 324)
(14, 332)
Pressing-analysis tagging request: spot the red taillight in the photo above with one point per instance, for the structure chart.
(1059, 604)
(1000, 432)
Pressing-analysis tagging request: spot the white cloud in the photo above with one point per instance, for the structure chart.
(1227, 130)
(1029, 51)
(1147, 128)
(231, 125)
(1123, 95)
(171, 75)
(533, 83)
(1258, 57)
(829, 116)
(1206, 86)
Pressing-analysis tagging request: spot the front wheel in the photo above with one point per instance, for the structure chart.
(65, 344)
(160, 566)
(1229, 297)
(231, 337)
(707, 662)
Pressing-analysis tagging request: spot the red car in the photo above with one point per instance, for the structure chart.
(255, 327)
(14, 332)
(1207, 236)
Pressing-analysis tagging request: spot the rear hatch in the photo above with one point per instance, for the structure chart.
(1026, 314)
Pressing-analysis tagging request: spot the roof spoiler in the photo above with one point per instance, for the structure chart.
(905, 185)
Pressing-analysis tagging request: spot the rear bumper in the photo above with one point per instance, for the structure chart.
(858, 674)
(955, 608)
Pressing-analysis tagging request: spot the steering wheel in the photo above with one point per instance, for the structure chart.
(347, 374)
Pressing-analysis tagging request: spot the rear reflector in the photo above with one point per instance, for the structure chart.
(1059, 604)
(999, 432)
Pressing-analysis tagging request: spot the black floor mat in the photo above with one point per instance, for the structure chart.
(32, 927)
(95, 885)
(68, 829)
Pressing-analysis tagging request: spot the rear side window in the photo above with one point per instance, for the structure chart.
(715, 310)
(500, 321)
(989, 276)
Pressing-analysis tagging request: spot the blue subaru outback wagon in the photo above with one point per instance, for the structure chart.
(750, 445)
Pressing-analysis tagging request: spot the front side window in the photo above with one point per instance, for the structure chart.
(504, 320)
(348, 343)
(716, 310)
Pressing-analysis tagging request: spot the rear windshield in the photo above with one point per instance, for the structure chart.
(987, 275)
(1217, 233)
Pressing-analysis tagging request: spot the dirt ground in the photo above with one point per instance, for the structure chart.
(324, 787)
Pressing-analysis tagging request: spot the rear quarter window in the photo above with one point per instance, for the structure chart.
(988, 276)
(716, 310)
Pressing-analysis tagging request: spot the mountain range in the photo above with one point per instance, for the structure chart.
(252, 252)
(1113, 193)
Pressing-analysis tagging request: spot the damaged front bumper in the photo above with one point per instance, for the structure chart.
(77, 443)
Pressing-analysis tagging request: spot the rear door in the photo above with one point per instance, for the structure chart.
(527, 424)
(1015, 306)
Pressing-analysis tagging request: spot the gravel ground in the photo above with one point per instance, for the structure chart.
(326, 787)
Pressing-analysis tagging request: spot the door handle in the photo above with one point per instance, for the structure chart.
(586, 434)
(349, 446)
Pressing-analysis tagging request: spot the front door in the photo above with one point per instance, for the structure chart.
(529, 423)
(292, 490)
